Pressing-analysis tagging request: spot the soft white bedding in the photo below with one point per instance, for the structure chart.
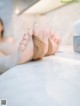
(54, 81)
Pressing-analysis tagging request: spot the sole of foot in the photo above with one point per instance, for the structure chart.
(26, 48)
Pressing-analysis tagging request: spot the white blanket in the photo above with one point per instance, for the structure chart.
(53, 81)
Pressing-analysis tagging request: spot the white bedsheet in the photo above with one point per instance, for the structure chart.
(53, 81)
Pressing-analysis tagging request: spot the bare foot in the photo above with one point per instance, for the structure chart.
(52, 47)
(55, 41)
(45, 34)
(26, 48)
(55, 37)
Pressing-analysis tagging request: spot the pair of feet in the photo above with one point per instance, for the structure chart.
(26, 46)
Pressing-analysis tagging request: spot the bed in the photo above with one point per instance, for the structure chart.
(53, 81)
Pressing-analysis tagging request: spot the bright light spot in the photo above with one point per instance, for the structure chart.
(17, 11)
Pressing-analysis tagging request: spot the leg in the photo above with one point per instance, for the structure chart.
(8, 48)
(24, 54)
(7, 62)
(1, 54)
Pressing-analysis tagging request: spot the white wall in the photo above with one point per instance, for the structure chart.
(20, 25)
(61, 21)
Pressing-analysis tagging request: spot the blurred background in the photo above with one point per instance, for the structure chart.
(59, 16)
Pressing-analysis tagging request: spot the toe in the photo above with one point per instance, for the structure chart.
(56, 39)
(21, 47)
(24, 42)
(55, 47)
(30, 32)
(25, 37)
(52, 37)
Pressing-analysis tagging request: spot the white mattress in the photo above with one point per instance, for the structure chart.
(53, 81)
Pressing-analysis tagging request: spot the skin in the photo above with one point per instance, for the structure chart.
(25, 49)
(46, 34)
(55, 41)
(0, 30)
(9, 40)
(26, 46)
(1, 54)
(6, 44)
